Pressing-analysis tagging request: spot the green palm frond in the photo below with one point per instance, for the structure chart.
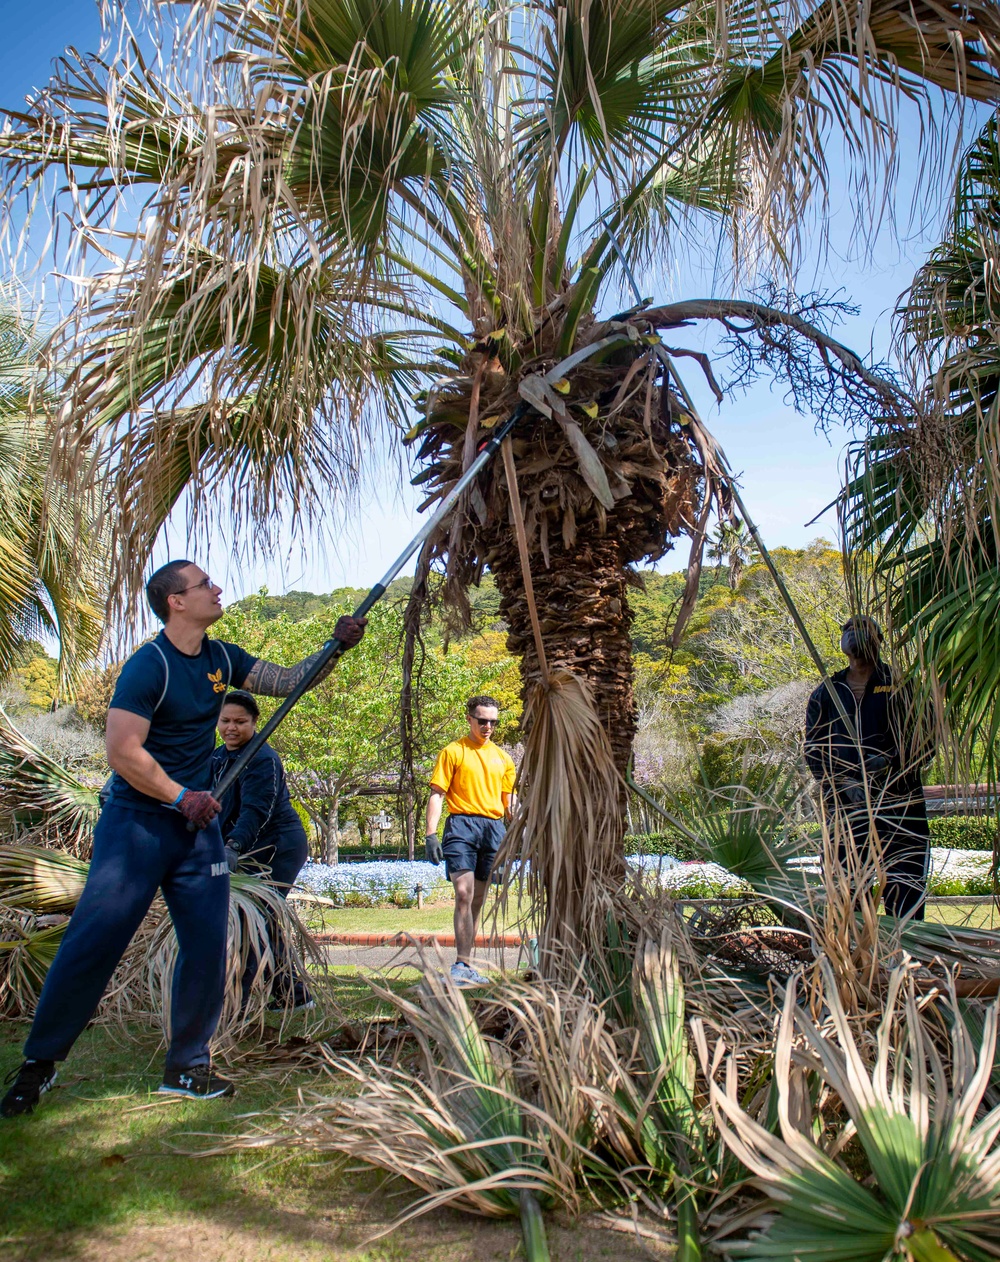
(39, 880)
(49, 564)
(38, 792)
(933, 1157)
(920, 507)
(750, 828)
(674, 1137)
(26, 954)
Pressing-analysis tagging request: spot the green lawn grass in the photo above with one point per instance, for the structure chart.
(432, 918)
(102, 1172)
(968, 915)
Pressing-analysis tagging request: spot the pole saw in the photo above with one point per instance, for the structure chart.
(333, 649)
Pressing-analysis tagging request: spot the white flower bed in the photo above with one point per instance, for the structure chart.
(951, 871)
(958, 872)
(960, 864)
(697, 880)
(392, 882)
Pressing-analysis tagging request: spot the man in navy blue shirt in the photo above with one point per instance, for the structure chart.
(160, 736)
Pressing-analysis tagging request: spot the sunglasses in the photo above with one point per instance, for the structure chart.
(484, 722)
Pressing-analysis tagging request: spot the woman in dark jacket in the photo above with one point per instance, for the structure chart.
(259, 825)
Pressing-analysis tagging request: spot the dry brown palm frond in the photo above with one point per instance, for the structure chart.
(488, 1115)
(564, 842)
(264, 933)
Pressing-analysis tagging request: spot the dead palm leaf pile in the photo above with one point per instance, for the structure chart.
(829, 1115)
(39, 888)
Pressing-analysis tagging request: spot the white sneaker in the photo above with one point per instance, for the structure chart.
(463, 974)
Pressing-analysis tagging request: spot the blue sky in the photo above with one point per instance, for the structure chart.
(788, 471)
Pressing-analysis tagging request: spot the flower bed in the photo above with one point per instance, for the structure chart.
(689, 880)
(957, 872)
(384, 883)
(393, 883)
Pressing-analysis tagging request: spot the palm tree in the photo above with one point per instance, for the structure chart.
(925, 497)
(48, 572)
(339, 202)
(732, 545)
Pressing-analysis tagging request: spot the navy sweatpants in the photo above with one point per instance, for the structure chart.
(136, 853)
(283, 859)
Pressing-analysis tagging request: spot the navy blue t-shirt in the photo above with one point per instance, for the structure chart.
(181, 694)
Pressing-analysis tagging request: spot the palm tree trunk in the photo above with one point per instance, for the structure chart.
(585, 620)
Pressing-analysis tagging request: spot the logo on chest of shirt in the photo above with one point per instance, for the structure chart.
(215, 679)
(884, 688)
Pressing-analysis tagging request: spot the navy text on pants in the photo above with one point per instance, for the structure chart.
(137, 852)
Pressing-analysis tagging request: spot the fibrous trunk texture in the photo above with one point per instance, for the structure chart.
(585, 619)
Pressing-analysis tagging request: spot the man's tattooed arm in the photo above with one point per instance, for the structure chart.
(268, 679)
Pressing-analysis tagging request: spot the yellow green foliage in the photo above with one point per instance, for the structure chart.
(40, 680)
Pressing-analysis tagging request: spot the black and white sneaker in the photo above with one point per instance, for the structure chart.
(302, 1001)
(198, 1082)
(31, 1080)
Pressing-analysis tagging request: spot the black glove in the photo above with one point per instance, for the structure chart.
(349, 630)
(198, 807)
(877, 765)
(432, 849)
(232, 858)
(853, 792)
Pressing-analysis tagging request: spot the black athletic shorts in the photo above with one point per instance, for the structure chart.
(470, 844)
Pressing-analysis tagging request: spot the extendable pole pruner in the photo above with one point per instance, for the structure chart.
(332, 649)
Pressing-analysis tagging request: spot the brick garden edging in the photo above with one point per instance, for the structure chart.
(411, 939)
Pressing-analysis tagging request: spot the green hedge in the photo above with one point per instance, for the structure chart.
(964, 832)
(672, 842)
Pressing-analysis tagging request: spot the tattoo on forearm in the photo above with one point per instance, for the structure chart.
(268, 679)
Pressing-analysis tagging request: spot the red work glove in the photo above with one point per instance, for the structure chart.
(349, 630)
(198, 807)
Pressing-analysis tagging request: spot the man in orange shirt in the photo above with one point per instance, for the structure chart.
(476, 779)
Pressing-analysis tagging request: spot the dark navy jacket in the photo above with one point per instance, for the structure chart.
(257, 812)
(886, 724)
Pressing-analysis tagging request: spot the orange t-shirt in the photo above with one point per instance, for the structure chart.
(474, 777)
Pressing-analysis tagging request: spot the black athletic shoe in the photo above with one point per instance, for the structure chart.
(198, 1082)
(31, 1080)
(302, 1001)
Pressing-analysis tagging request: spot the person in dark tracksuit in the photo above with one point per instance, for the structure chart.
(877, 787)
(260, 828)
(158, 831)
